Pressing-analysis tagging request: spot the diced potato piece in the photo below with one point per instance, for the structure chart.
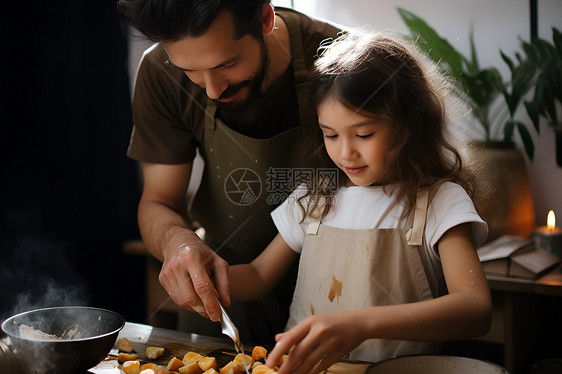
(161, 371)
(190, 368)
(211, 371)
(256, 363)
(155, 371)
(174, 364)
(226, 368)
(232, 367)
(125, 345)
(122, 357)
(262, 369)
(148, 365)
(154, 352)
(244, 360)
(259, 353)
(191, 357)
(207, 363)
(131, 367)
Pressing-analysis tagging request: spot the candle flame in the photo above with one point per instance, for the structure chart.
(551, 220)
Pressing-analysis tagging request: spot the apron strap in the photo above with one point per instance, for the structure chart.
(210, 111)
(415, 234)
(312, 228)
(297, 54)
(300, 71)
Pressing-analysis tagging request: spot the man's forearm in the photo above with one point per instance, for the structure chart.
(158, 224)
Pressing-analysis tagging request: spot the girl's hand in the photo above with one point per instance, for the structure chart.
(317, 342)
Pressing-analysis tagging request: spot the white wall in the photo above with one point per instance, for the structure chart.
(497, 24)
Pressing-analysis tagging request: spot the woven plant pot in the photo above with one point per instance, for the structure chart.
(508, 208)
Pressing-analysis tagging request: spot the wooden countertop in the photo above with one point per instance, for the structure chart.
(178, 343)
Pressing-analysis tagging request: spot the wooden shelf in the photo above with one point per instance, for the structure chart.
(525, 319)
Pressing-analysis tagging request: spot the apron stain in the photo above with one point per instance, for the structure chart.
(335, 289)
(311, 310)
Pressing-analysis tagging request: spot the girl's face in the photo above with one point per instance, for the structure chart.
(356, 143)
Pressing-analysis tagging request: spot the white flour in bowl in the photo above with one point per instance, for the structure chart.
(29, 332)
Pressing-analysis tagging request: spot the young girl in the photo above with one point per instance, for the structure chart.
(388, 265)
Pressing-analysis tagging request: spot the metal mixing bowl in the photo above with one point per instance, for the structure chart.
(95, 333)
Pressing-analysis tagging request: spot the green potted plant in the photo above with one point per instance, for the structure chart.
(494, 104)
(543, 63)
(481, 87)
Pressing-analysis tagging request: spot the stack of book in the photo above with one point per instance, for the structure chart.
(513, 256)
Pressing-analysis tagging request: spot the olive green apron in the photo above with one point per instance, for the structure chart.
(236, 196)
(343, 269)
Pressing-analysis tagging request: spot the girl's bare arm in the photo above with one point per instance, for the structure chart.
(256, 279)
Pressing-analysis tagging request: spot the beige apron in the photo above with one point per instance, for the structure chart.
(233, 203)
(342, 269)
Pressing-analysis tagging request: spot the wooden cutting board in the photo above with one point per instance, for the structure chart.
(177, 344)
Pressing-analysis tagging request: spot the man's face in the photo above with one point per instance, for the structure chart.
(229, 70)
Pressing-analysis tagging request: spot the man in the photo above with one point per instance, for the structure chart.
(226, 78)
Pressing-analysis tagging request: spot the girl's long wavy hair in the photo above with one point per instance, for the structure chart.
(385, 77)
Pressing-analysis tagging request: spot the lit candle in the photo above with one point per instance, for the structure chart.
(549, 237)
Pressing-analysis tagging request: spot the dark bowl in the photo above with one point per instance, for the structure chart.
(94, 333)
(435, 364)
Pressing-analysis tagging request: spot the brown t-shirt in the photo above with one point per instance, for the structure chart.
(168, 109)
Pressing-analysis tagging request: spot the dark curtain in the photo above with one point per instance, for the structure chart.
(69, 193)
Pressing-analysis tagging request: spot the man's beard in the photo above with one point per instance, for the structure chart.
(254, 83)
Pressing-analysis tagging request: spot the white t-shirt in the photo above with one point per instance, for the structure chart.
(370, 207)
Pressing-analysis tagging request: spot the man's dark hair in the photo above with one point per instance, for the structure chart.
(171, 20)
